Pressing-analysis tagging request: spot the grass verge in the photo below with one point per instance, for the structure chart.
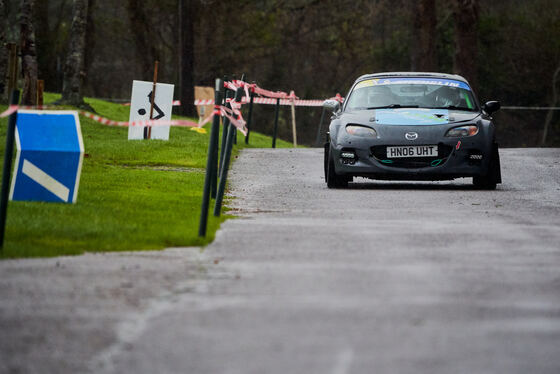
(134, 195)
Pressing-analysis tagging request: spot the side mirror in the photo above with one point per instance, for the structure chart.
(491, 107)
(332, 105)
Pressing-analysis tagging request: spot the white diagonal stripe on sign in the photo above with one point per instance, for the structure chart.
(45, 180)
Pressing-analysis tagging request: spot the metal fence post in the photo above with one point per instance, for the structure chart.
(275, 133)
(216, 165)
(225, 166)
(214, 180)
(210, 163)
(225, 123)
(10, 135)
(225, 127)
(223, 173)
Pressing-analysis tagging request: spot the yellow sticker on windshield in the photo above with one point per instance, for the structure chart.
(366, 83)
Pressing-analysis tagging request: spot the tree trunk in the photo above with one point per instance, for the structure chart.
(28, 54)
(45, 41)
(90, 41)
(466, 24)
(58, 28)
(144, 43)
(423, 47)
(3, 54)
(186, 56)
(74, 69)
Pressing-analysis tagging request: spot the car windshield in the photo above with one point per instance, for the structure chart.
(411, 92)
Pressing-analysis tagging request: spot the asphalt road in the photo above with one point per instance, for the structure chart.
(377, 278)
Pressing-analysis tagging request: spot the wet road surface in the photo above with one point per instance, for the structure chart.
(378, 278)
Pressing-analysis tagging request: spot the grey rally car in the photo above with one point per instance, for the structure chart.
(412, 126)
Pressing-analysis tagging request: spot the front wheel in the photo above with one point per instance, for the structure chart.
(334, 180)
(493, 176)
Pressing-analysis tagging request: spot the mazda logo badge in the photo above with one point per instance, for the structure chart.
(411, 135)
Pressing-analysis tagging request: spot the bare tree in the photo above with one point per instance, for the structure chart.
(466, 25)
(28, 54)
(44, 40)
(74, 69)
(90, 41)
(186, 56)
(3, 52)
(423, 47)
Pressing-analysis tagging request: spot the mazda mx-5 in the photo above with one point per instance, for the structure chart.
(412, 126)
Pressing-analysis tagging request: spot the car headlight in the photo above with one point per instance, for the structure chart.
(462, 131)
(363, 131)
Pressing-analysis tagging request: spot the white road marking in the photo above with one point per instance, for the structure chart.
(45, 180)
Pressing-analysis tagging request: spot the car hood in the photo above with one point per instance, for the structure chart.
(409, 116)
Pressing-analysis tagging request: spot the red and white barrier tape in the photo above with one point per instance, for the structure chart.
(149, 123)
(232, 114)
(268, 97)
(272, 101)
(269, 101)
(14, 108)
(11, 109)
(235, 84)
(235, 118)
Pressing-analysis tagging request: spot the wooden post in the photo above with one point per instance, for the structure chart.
(148, 130)
(294, 133)
(40, 90)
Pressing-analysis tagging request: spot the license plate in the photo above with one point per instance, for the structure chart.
(412, 151)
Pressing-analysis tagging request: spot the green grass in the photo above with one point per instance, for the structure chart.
(124, 202)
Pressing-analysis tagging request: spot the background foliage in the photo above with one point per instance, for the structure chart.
(316, 48)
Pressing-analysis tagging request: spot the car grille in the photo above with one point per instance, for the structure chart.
(380, 154)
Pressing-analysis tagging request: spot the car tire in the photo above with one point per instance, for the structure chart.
(493, 176)
(334, 180)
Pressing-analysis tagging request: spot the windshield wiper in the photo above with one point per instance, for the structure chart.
(393, 106)
(453, 107)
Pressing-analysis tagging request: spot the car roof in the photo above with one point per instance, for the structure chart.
(412, 74)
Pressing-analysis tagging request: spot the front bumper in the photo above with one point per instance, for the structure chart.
(464, 157)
